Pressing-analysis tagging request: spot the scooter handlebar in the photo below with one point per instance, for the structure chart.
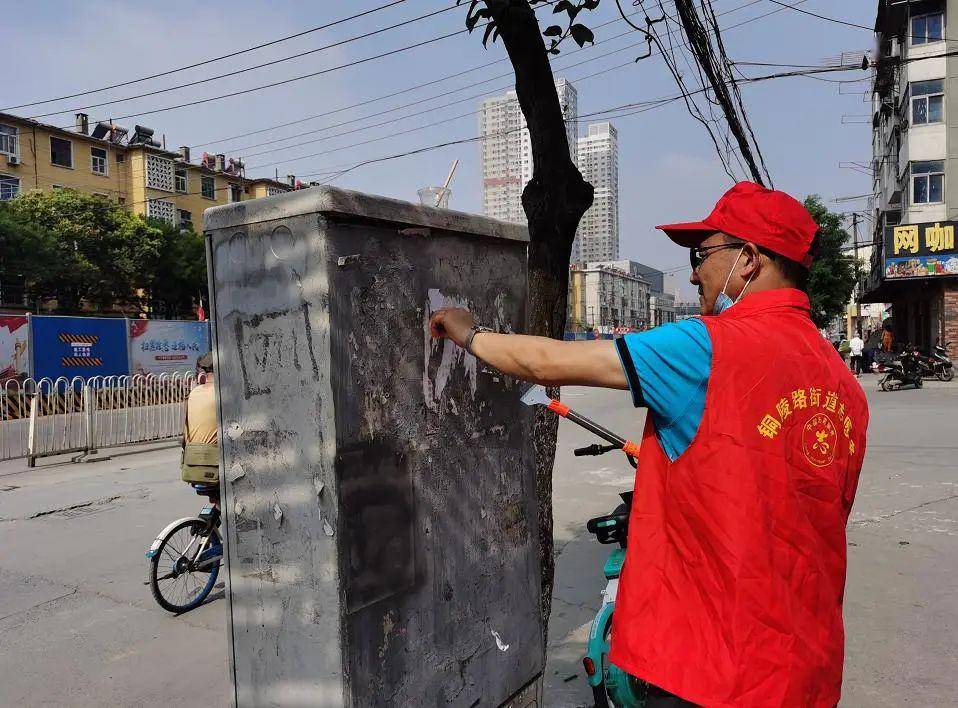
(594, 449)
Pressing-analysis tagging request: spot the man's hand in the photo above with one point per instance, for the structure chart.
(451, 323)
(537, 359)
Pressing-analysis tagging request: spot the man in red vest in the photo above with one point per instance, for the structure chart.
(731, 593)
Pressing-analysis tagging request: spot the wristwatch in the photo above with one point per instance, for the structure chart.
(473, 331)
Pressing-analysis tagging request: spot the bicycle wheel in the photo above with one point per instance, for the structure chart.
(177, 587)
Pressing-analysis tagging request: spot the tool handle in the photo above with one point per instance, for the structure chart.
(627, 446)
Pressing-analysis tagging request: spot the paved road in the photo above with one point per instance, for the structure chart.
(901, 607)
(78, 627)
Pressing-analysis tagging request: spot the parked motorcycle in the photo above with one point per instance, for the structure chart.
(903, 370)
(938, 364)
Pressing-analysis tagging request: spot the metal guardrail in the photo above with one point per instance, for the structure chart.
(57, 416)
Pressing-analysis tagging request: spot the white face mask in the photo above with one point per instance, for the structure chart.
(723, 301)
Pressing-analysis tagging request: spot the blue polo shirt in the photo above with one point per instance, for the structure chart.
(668, 371)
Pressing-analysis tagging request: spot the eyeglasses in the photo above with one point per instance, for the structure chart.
(698, 254)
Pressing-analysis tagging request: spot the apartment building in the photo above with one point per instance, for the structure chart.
(914, 260)
(506, 151)
(131, 168)
(605, 298)
(598, 160)
(609, 295)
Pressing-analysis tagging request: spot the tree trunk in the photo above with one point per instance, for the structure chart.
(554, 201)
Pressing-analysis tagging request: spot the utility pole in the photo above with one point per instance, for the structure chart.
(858, 277)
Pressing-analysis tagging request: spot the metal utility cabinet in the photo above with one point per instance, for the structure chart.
(378, 486)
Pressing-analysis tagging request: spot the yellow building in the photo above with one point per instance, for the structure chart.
(132, 169)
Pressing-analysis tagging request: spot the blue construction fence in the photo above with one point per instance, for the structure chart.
(45, 346)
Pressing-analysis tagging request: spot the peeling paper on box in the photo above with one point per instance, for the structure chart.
(451, 355)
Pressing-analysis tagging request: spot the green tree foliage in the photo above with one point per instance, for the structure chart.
(178, 277)
(834, 273)
(25, 251)
(81, 249)
(100, 251)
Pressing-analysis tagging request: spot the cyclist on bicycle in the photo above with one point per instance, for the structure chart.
(731, 592)
(201, 457)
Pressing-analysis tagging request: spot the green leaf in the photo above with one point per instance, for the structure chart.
(581, 34)
(553, 31)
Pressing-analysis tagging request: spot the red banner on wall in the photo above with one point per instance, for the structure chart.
(14, 340)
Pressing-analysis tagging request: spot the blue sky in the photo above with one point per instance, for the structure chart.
(668, 167)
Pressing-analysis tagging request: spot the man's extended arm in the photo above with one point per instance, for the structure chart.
(536, 359)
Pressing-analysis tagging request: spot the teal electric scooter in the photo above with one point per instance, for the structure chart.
(611, 686)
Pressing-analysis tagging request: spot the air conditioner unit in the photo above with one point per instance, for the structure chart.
(13, 159)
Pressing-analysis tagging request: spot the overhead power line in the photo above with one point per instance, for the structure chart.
(621, 111)
(219, 77)
(716, 70)
(301, 77)
(823, 17)
(210, 60)
(631, 108)
(416, 103)
(399, 92)
(445, 105)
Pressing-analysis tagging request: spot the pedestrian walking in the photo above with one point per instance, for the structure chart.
(856, 346)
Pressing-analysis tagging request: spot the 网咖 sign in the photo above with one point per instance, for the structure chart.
(167, 346)
(921, 250)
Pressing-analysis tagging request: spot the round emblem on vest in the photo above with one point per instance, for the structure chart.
(819, 440)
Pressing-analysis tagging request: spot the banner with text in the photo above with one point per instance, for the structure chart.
(167, 346)
(78, 346)
(14, 342)
(921, 250)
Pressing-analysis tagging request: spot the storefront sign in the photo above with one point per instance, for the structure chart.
(164, 346)
(921, 250)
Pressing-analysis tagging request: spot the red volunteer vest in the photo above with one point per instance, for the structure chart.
(731, 594)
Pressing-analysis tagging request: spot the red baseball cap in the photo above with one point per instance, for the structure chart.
(756, 214)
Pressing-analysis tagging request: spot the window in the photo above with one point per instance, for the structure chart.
(927, 102)
(928, 182)
(159, 173)
(9, 187)
(926, 28)
(99, 160)
(182, 184)
(61, 152)
(8, 140)
(236, 193)
(161, 209)
(208, 187)
(120, 157)
(273, 191)
(186, 220)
